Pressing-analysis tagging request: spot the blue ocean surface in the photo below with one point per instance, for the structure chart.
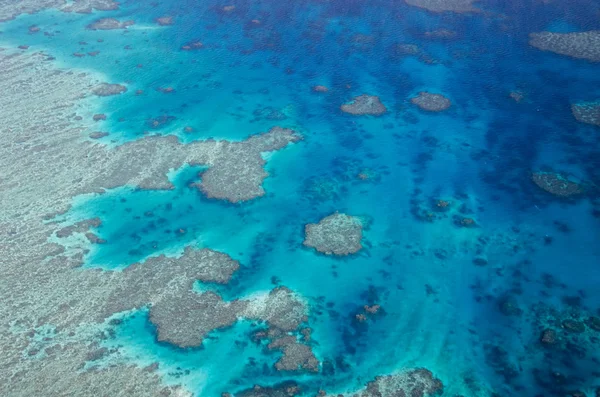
(469, 260)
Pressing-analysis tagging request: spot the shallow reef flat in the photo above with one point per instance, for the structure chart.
(44, 142)
(318, 198)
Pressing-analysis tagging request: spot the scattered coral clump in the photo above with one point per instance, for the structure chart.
(557, 184)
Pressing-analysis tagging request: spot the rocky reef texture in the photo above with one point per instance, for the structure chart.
(556, 184)
(418, 382)
(43, 283)
(185, 320)
(364, 105)
(109, 24)
(283, 389)
(59, 374)
(10, 9)
(431, 102)
(296, 356)
(459, 6)
(337, 234)
(237, 169)
(165, 21)
(106, 89)
(587, 112)
(582, 45)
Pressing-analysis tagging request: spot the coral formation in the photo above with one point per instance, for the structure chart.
(431, 102)
(106, 89)
(337, 234)
(165, 21)
(44, 276)
(557, 184)
(296, 356)
(458, 6)
(418, 382)
(192, 45)
(364, 105)
(587, 112)
(186, 320)
(440, 34)
(236, 172)
(581, 45)
(10, 9)
(109, 24)
(283, 389)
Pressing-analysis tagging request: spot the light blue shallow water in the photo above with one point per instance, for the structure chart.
(442, 311)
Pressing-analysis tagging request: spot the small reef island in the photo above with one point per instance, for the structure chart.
(299, 199)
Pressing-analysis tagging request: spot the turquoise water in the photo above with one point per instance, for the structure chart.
(443, 308)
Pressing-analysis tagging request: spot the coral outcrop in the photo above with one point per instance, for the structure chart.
(431, 102)
(418, 382)
(364, 105)
(336, 234)
(557, 184)
(581, 45)
(587, 112)
(458, 6)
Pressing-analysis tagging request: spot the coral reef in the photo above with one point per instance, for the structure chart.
(186, 320)
(236, 172)
(109, 24)
(165, 21)
(557, 184)
(283, 389)
(10, 9)
(582, 45)
(431, 102)
(47, 283)
(363, 105)
(192, 45)
(106, 89)
(337, 234)
(418, 382)
(296, 356)
(587, 112)
(440, 34)
(98, 134)
(458, 6)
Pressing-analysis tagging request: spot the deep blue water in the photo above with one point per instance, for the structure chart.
(442, 310)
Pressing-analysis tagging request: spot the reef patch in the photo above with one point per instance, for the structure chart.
(364, 105)
(581, 45)
(431, 102)
(336, 234)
